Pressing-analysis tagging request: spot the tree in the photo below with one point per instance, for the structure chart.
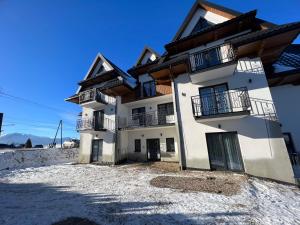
(28, 143)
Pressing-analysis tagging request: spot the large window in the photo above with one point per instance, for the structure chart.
(137, 145)
(164, 112)
(170, 145)
(201, 24)
(138, 116)
(215, 100)
(99, 120)
(149, 89)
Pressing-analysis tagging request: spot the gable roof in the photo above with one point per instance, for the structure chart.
(95, 62)
(142, 55)
(214, 8)
(113, 72)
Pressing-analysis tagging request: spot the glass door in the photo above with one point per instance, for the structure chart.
(215, 100)
(224, 151)
(97, 147)
(99, 120)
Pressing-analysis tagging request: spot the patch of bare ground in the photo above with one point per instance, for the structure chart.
(224, 184)
(75, 221)
(164, 167)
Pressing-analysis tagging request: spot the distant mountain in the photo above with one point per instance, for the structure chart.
(18, 138)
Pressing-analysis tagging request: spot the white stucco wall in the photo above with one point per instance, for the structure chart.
(86, 137)
(160, 133)
(262, 147)
(286, 99)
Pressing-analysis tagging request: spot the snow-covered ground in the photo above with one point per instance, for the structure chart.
(123, 195)
(22, 158)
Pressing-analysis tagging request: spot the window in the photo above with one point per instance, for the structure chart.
(149, 89)
(215, 100)
(164, 112)
(137, 145)
(170, 145)
(289, 143)
(201, 24)
(138, 116)
(100, 70)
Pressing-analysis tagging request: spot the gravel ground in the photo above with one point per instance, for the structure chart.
(123, 195)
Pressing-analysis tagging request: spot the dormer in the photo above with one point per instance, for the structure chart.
(148, 55)
(103, 78)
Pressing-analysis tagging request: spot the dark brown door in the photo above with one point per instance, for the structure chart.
(153, 149)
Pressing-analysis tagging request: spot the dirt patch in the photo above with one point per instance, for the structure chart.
(165, 167)
(211, 184)
(75, 221)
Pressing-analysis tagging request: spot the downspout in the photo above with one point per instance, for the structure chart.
(115, 156)
(182, 158)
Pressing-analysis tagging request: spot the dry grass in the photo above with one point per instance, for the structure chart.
(212, 184)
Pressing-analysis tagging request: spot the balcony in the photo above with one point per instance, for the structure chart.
(213, 63)
(148, 119)
(94, 98)
(90, 124)
(222, 105)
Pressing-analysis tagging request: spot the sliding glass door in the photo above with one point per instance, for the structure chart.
(224, 151)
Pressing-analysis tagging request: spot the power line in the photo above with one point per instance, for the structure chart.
(17, 98)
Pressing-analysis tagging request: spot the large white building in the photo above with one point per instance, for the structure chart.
(206, 103)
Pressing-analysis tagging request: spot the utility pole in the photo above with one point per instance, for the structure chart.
(54, 140)
(1, 119)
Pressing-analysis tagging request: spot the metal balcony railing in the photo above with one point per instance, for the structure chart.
(94, 125)
(212, 57)
(221, 102)
(232, 101)
(95, 95)
(148, 119)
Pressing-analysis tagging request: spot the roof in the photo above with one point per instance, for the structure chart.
(261, 34)
(218, 9)
(145, 50)
(114, 72)
(243, 17)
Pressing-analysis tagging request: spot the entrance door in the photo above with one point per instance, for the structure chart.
(153, 149)
(97, 147)
(224, 151)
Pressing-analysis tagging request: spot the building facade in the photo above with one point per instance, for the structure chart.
(205, 103)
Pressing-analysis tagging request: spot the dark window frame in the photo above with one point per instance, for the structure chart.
(137, 143)
(201, 24)
(172, 150)
(152, 92)
(215, 96)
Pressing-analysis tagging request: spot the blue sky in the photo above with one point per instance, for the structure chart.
(46, 47)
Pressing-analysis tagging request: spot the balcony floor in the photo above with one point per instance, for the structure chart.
(223, 116)
(148, 127)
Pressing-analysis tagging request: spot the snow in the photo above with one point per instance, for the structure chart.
(123, 195)
(12, 159)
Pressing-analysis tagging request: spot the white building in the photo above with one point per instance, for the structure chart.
(205, 103)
